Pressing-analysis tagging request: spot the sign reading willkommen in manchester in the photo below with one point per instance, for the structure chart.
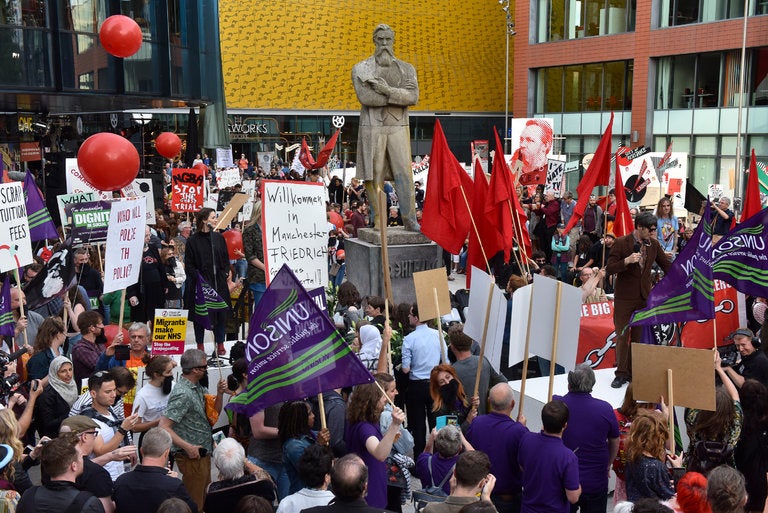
(15, 240)
(294, 230)
(125, 244)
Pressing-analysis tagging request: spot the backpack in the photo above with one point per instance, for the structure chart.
(708, 455)
(433, 493)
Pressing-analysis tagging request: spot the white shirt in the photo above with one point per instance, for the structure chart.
(115, 468)
(150, 402)
(304, 498)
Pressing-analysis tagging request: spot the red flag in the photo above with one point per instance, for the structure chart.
(490, 238)
(325, 153)
(602, 202)
(446, 213)
(623, 224)
(598, 173)
(305, 157)
(533, 177)
(752, 204)
(498, 206)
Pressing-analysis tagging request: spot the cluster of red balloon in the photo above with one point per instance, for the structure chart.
(168, 144)
(120, 36)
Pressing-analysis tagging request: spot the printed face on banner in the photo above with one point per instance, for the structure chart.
(187, 190)
(125, 244)
(295, 230)
(531, 142)
(15, 239)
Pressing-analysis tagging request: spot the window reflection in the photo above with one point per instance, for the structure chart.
(573, 19)
(584, 87)
(683, 12)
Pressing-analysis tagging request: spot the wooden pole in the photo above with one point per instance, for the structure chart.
(385, 394)
(555, 334)
(21, 302)
(439, 327)
(525, 354)
(671, 407)
(474, 227)
(389, 342)
(519, 236)
(122, 311)
(382, 204)
(482, 343)
(321, 409)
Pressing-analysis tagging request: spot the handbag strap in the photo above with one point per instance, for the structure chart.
(432, 478)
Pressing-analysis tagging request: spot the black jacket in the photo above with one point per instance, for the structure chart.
(143, 489)
(200, 258)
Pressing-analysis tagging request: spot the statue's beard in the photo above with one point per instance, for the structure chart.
(384, 56)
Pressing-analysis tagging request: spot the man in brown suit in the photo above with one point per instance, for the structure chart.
(631, 260)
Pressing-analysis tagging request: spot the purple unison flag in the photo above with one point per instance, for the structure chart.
(6, 317)
(206, 298)
(293, 349)
(53, 280)
(40, 223)
(739, 258)
(686, 293)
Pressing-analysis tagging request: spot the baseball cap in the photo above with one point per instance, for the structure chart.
(741, 332)
(79, 424)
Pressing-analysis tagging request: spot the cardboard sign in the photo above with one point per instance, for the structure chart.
(555, 174)
(425, 283)
(62, 200)
(231, 210)
(125, 244)
(693, 375)
(15, 239)
(89, 221)
(227, 177)
(480, 308)
(76, 183)
(142, 188)
(187, 190)
(294, 230)
(169, 331)
(224, 157)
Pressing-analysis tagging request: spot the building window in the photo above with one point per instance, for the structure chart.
(583, 88)
(683, 12)
(710, 80)
(573, 19)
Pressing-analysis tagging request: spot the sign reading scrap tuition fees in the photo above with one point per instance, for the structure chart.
(125, 244)
(294, 231)
(169, 331)
(89, 221)
(15, 239)
(187, 190)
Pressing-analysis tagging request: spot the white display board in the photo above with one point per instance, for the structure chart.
(76, 183)
(125, 244)
(295, 230)
(480, 309)
(15, 239)
(142, 188)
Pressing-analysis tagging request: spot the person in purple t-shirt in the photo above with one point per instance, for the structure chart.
(593, 434)
(365, 439)
(550, 469)
(497, 435)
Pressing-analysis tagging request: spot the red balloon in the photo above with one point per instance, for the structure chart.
(108, 162)
(168, 144)
(110, 331)
(234, 240)
(120, 36)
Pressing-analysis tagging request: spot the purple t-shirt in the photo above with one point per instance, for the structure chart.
(441, 467)
(499, 437)
(357, 434)
(590, 424)
(549, 468)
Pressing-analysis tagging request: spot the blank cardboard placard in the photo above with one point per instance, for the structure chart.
(233, 207)
(693, 375)
(425, 282)
(481, 309)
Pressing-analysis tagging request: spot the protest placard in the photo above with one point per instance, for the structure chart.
(125, 244)
(294, 230)
(62, 200)
(228, 177)
(76, 183)
(487, 315)
(555, 174)
(15, 239)
(169, 331)
(224, 157)
(187, 190)
(89, 221)
(230, 211)
(426, 283)
(142, 188)
(249, 188)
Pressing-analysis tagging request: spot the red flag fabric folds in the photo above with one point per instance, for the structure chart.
(325, 153)
(598, 173)
(752, 204)
(487, 228)
(500, 205)
(305, 157)
(445, 217)
(623, 223)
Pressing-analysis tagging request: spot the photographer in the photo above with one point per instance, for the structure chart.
(753, 363)
(723, 220)
(20, 398)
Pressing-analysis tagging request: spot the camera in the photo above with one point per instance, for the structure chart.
(7, 383)
(728, 355)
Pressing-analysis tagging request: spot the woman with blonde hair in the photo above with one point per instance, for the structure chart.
(14, 472)
(667, 226)
(646, 473)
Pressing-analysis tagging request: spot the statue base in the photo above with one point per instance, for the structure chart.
(409, 252)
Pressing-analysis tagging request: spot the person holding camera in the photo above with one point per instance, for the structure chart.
(753, 363)
(186, 420)
(723, 220)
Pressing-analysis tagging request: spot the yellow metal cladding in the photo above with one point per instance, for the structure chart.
(298, 55)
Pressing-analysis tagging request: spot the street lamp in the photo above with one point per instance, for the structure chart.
(509, 31)
(141, 119)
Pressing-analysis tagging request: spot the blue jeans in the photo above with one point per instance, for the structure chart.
(277, 473)
(258, 290)
(339, 276)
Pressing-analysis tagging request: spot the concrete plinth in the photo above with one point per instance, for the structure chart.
(409, 253)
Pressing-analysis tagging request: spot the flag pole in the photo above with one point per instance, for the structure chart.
(554, 340)
(439, 326)
(321, 409)
(482, 344)
(21, 303)
(385, 394)
(525, 355)
(670, 406)
(514, 227)
(389, 342)
(519, 235)
(382, 203)
(474, 226)
(122, 312)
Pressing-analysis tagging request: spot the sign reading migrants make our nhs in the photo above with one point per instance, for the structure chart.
(295, 230)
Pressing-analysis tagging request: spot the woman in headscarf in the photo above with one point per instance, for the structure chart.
(58, 397)
(370, 346)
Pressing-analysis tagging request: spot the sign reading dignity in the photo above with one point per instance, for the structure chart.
(125, 244)
(294, 231)
(15, 240)
(89, 221)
